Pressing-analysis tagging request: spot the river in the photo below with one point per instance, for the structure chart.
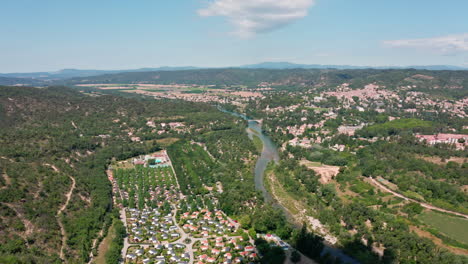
(269, 154)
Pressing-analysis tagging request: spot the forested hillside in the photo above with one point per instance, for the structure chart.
(56, 144)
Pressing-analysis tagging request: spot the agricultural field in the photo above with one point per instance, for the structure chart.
(453, 227)
(189, 92)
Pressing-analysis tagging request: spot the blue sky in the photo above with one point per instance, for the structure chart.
(49, 35)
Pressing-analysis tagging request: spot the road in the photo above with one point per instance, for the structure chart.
(425, 205)
(123, 217)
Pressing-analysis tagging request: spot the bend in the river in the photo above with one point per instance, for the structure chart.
(270, 153)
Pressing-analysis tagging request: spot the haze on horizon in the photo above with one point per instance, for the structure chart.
(51, 35)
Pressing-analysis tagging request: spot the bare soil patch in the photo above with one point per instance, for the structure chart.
(438, 160)
(247, 94)
(326, 172)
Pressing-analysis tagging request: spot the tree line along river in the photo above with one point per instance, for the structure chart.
(270, 154)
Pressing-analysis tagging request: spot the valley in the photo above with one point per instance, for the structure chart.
(355, 172)
(234, 132)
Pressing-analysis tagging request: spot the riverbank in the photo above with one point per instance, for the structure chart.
(270, 154)
(258, 143)
(292, 206)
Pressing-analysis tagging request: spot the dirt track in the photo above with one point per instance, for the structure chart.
(60, 211)
(425, 205)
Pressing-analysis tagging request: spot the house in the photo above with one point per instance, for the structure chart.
(179, 245)
(226, 249)
(219, 244)
(238, 260)
(270, 237)
(249, 248)
(131, 256)
(175, 259)
(139, 252)
(159, 247)
(459, 140)
(204, 248)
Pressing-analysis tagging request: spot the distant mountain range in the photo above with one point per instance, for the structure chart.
(72, 73)
(76, 73)
(288, 65)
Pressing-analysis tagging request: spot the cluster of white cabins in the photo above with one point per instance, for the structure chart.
(172, 227)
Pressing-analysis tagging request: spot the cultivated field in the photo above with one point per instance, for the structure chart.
(453, 227)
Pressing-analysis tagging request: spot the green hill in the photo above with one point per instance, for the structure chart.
(52, 136)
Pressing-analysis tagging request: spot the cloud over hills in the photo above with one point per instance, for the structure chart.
(251, 17)
(447, 45)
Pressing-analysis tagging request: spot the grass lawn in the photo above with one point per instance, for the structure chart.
(309, 163)
(258, 143)
(453, 227)
(165, 142)
(123, 165)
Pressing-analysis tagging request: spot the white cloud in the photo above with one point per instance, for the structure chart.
(451, 44)
(250, 17)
